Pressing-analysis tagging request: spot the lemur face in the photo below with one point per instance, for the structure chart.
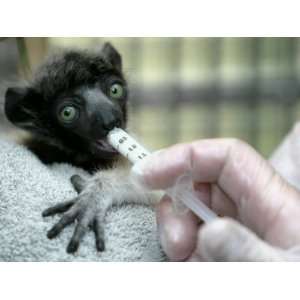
(73, 102)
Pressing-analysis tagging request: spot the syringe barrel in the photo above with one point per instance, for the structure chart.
(127, 145)
(191, 201)
(183, 188)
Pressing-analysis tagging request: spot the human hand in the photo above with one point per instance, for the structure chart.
(286, 159)
(234, 181)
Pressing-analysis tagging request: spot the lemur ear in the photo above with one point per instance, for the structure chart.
(112, 56)
(19, 106)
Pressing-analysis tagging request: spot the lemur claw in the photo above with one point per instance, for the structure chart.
(83, 209)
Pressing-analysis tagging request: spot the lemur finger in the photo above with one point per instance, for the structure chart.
(79, 232)
(66, 220)
(78, 183)
(58, 208)
(99, 235)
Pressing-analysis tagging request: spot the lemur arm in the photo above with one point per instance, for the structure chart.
(96, 195)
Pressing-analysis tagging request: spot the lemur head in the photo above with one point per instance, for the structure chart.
(73, 101)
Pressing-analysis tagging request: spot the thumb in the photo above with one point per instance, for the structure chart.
(227, 240)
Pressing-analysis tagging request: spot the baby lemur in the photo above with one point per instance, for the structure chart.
(73, 101)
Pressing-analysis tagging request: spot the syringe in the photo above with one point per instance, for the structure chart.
(182, 190)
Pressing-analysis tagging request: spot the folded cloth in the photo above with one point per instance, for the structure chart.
(27, 187)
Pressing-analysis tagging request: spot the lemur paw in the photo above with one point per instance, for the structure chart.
(85, 209)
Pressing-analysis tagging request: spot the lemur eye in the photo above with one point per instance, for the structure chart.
(68, 114)
(116, 91)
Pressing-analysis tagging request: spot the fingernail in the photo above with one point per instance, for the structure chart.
(177, 235)
(173, 241)
(72, 247)
(51, 234)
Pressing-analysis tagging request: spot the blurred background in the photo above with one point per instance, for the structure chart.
(183, 89)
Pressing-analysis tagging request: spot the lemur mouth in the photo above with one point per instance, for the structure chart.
(105, 149)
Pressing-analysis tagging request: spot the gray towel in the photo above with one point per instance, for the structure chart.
(27, 187)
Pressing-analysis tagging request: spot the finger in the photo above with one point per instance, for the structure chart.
(78, 183)
(227, 240)
(241, 173)
(205, 158)
(66, 220)
(99, 235)
(181, 247)
(58, 208)
(222, 204)
(80, 230)
(285, 158)
(177, 232)
(215, 199)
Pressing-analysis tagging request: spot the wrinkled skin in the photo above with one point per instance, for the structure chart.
(262, 209)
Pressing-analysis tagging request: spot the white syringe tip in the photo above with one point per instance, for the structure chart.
(127, 145)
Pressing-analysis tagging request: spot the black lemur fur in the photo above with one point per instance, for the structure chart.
(79, 79)
(73, 101)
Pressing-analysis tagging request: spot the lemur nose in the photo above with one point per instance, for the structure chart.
(109, 124)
